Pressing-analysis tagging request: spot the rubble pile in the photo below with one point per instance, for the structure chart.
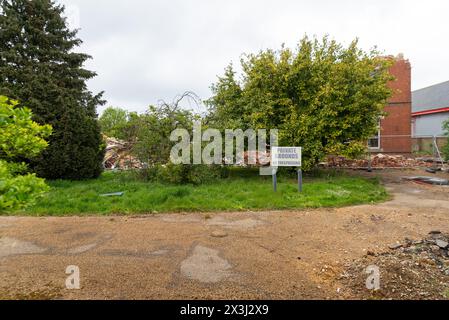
(414, 269)
(260, 158)
(377, 161)
(118, 155)
(434, 248)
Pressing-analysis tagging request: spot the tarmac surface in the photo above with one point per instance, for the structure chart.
(235, 255)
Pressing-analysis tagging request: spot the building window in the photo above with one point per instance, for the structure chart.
(374, 142)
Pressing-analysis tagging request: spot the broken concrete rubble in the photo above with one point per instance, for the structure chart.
(414, 269)
(436, 243)
(442, 244)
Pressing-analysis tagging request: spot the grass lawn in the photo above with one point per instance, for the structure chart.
(236, 193)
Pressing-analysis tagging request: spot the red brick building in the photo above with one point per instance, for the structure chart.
(396, 128)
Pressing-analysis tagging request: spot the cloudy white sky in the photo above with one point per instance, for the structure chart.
(147, 50)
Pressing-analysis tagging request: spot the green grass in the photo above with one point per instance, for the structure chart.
(237, 193)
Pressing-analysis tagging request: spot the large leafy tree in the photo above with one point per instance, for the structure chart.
(40, 68)
(322, 96)
(20, 137)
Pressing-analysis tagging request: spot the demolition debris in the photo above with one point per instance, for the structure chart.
(413, 269)
(379, 161)
(118, 155)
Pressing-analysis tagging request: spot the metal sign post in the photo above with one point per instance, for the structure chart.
(300, 180)
(275, 182)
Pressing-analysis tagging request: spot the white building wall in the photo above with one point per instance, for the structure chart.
(430, 124)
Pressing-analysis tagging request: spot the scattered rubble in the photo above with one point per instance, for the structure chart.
(118, 155)
(441, 244)
(411, 270)
(378, 161)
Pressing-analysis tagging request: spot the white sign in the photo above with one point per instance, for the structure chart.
(286, 157)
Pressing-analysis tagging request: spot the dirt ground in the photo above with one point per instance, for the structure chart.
(308, 254)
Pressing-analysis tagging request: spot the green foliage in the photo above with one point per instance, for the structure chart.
(118, 123)
(445, 150)
(20, 135)
(18, 191)
(40, 67)
(153, 129)
(322, 96)
(149, 133)
(184, 174)
(20, 138)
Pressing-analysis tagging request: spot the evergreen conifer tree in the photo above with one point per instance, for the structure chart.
(40, 67)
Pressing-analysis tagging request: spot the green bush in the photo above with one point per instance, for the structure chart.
(20, 138)
(18, 191)
(183, 174)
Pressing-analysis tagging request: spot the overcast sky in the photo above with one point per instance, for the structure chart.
(147, 50)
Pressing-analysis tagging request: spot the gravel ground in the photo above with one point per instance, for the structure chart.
(309, 254)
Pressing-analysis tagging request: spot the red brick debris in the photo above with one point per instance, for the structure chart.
(379, 161)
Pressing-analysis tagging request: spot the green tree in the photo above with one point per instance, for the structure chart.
(113, 122)
(322, 96)
(20, 137)
(40, 68)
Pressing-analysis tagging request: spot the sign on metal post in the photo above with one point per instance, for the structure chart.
(286, 157)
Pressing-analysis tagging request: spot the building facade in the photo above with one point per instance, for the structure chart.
(430, 110)
(395, 131)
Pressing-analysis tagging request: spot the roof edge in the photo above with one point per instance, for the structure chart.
(431, 111)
